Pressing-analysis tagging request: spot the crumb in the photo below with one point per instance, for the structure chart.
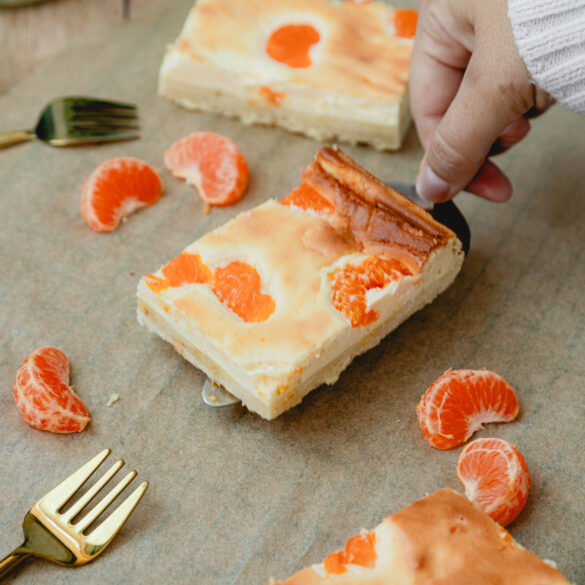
(113, 398)
(132, 274)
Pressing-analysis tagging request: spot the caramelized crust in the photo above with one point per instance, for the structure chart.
(442, 539)
(383, 221)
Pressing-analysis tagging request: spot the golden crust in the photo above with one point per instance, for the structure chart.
(442, 539)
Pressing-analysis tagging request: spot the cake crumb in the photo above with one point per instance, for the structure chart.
(113, 398)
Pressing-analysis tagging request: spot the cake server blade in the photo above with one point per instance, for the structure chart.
(446, 213)
(216, 395)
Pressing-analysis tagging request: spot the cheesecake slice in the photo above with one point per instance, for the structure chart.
(280, 299)
(442, 539)
(322, 68)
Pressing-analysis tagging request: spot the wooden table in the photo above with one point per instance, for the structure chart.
(31, 34)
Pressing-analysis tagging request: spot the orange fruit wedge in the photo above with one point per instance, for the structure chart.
(116, 188)
(405, 21)
(212, 163)
(359, 550)
(495, 477)
(43, 395)
(351, 283)
(290, 44)
(184, 269)
(460, 402)
(306, 198)
(237, 285)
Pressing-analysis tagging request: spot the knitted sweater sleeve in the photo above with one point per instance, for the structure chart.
(550, 35)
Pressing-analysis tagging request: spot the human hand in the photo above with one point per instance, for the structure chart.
(471, 97)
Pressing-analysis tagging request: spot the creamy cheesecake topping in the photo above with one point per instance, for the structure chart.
(338, 47)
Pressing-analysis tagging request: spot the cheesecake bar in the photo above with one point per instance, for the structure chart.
(442, 539)
(280, 299)
(322, 68)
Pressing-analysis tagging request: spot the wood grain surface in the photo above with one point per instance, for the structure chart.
(31, 34)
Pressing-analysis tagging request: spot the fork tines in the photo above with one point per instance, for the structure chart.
(91, 118)
(80, 103)
(57, 498)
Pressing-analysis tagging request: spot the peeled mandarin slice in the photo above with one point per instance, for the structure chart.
(495, 477)
(237, 286)
(274, 97)
(305, 197)
(351, 283)
(116, 188)
(460, 402)
(43, 395)
(359, 550)
(405, 21)
(291, 44)
(184, 269)
(212, 163)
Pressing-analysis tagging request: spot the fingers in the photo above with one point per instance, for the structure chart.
(490, 183)
(436, 70)
(469, 93)
(511, 135)
(487, 105)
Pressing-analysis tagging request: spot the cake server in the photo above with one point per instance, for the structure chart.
(447, 213)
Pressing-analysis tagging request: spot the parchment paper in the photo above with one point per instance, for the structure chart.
(233, 498)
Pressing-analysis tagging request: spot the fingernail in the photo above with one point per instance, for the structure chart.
(430, 186)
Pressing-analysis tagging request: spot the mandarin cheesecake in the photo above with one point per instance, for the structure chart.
(280, 299)
(322, 68)
(442, 539)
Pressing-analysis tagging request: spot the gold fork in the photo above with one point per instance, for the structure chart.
(67, 121)
(62, 537)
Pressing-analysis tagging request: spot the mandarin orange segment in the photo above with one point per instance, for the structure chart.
(305, 197)
(351, 283)
(43, 395)
(291, 44)
(460, 402)
(212, 163)
(496, 478)
(274, 97)
(237, 286)
(186, 268)
(359, 550)
(116, 188)
(405, 21)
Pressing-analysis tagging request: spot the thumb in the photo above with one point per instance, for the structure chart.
(482, 108)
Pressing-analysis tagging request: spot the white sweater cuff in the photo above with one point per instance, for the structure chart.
(550, 35)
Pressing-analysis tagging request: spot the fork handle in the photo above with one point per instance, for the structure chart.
(10, 138)
(12, 560)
